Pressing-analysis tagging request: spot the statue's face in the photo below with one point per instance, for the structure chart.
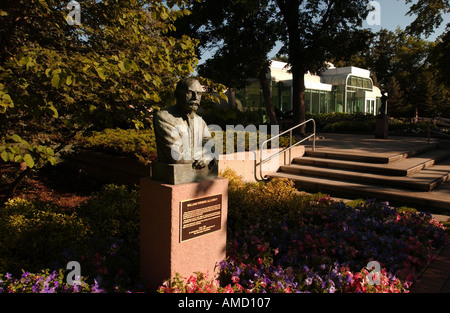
(189, 99)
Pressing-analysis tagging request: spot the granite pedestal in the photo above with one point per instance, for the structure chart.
(183, 229)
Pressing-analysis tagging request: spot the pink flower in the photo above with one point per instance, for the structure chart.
(228, 289)
(192, 279)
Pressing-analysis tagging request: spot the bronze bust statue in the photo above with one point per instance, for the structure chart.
(181, 134)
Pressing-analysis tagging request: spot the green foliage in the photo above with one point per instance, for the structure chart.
(215, 115)
(245, 30)
(112, 70)
(112, 213)
(34, 234)
(141, 143)
(245, 141)
(15, 149)
(248, 201)
(359, 122)
(113, 218)
(428, 16)
(337, 121)
(101, 234)
(351, 126)
(138, 143)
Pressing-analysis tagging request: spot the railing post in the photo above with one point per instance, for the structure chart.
(290, 145)
(314, 138)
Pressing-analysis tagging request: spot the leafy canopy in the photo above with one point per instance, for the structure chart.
(110, 71)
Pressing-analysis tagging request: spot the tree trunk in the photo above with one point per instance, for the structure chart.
(298, 97)
(267, 98)
(13, 187)
(289, 10)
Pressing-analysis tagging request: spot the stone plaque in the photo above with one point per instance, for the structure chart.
(200, 216)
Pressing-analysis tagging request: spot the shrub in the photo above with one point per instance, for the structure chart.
(101, 234)
(112, 212)
(141, 144)
(34, 235)
(325, 119)
(113, 254)
(129, 142)
(351, 126)
(248, 201)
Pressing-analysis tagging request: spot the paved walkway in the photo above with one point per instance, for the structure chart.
(436, 277)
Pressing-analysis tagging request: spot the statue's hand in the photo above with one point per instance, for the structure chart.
(199, 164)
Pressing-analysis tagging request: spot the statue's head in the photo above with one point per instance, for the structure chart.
(188, 94)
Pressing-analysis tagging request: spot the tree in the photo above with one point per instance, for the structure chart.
(428, 16)
(242, 32)
(396, 102)
(315, 31)
(57, 79)
(439, 57)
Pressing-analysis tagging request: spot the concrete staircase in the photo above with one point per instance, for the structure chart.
(416, 177)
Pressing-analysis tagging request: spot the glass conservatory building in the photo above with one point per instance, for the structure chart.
(345, 89)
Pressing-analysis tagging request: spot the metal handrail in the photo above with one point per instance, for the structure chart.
(437, 121)
(261, 148)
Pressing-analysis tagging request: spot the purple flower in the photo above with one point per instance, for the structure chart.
(96, 288)
(223, 264)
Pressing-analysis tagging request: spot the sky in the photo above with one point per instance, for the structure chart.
(392, 15)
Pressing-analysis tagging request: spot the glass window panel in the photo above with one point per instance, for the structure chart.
(339, 100)
(359, 105)
(315, 102)
(286, 103)
(307, 101)
(331, 102)
(350, 102)
(323, 102)
(366, 83)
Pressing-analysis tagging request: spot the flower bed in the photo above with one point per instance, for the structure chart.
(45, 282)
(279, 240)
(318, 246)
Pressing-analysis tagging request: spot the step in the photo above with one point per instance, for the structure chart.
(425, 180)
(352, 190)
(403, 167)
(372, 157)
